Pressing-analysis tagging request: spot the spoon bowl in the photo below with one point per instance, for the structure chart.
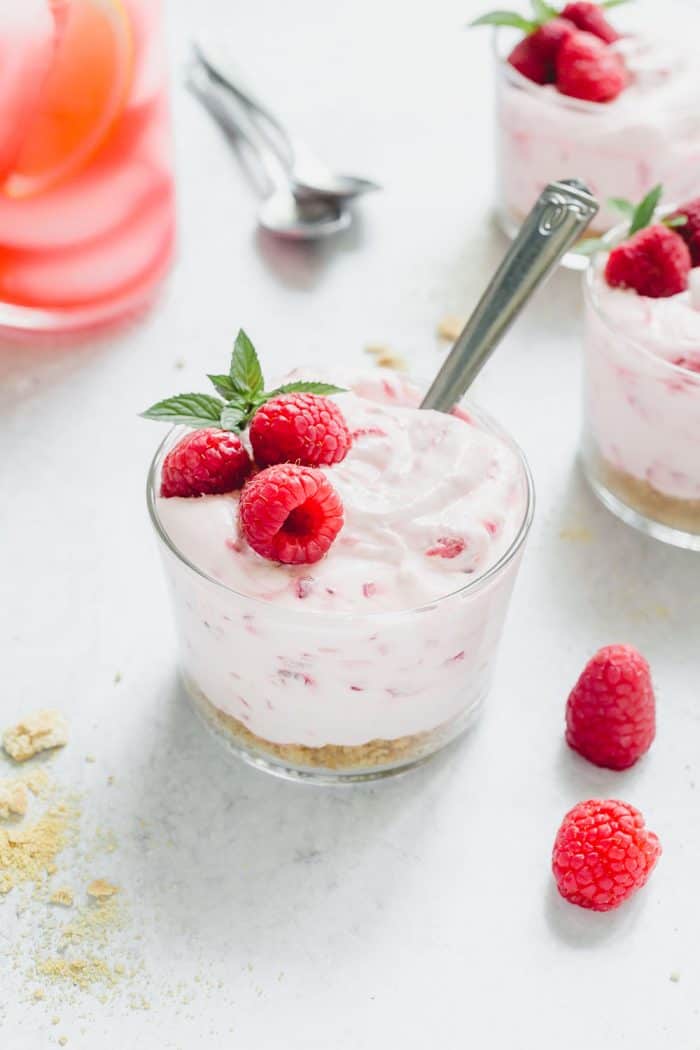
(332, 186)
(301, 220)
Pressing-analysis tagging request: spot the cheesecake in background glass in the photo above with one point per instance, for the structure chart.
(86, 186)
(354, 633)
(641, 437)
(609, 95)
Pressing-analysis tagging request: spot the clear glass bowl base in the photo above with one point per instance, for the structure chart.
(634, 517)
(433, 743)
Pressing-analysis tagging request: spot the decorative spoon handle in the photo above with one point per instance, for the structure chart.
(557, 220)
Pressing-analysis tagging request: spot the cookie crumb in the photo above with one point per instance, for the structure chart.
(63, 1040)
(13, 799)
(576, 534)
(179, 362)
(117, 677)
(63, 896)
(38, 994)
(110, 780)
(450, 327)
(55, 1020)
(674, 976)
(385, 357)
(90, 758)
(100, 888)
(38, 732)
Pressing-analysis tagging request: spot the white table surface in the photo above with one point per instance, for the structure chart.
(419, 912)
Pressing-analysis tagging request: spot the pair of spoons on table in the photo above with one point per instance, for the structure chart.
(305, 200)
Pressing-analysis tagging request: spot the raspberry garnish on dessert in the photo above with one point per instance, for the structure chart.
(299, 428)
(568, 48)
(290, 514)
(205, 462)
(611, 711)
(689, 229)
(603, 854)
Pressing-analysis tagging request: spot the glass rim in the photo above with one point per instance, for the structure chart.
(592, 273)
(472, 586)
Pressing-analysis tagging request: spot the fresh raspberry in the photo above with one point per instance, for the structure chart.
(654, 262)
(588, 69)
(204, 463)
(290, 513)
(611, 711)
(603, 853)
(591, 18)
(299, 428)
(690, 232)
(526, 58)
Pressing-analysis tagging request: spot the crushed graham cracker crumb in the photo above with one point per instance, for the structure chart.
(80, 972)
(27, 853)
(37, 780)
(385, 357)
(55, 1020)
(90, 758)
(13, 798)
(450, 327)
(101, 888)
(38, 994)
(63, 1040)
(63, 896)
(38, 732)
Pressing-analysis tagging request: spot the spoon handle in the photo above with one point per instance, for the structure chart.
(558, 219)
(219, 65)
(231, 115)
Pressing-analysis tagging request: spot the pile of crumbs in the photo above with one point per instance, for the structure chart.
(41, 731)
(28, 852)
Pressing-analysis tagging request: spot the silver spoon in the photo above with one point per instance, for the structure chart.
(309, 176)
(561, 214)
(280, 213)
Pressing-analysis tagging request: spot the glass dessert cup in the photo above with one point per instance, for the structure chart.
(650, 134)
(87, 216)
(641, 429)
(342, 697)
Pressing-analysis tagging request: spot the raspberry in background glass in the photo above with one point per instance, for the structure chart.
(86, 187)
(642, 371)
(338, 615)
(608, 94)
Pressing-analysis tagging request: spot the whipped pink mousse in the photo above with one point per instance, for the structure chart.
(642, 382)
(649, 134)
(389, 637)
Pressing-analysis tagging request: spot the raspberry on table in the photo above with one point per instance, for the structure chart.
(603, 853)
(299, 428)
(690, 232)
(588, 69)
(591, 18)
(204, 463)
(654, 262)
(290, 513)
(611, 711)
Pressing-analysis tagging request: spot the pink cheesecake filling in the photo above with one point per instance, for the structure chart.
(649, 134)
(643, 384)
(365, 644)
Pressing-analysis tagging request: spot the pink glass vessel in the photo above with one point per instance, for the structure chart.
(86, 185)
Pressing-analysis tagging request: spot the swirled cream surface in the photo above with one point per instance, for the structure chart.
(431, 501)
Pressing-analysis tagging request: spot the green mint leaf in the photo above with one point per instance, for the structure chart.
(193, 410)
(613, 3)
(543, 12)
(223, 385)
(673, 221)
(590, 246)
(625, 207)
(644, 212)
(245, 372)
(505, 18)
(304, 387)
(233, 417)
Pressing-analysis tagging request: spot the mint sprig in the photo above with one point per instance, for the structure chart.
(242, 393)
(542, 12)
(639, 216)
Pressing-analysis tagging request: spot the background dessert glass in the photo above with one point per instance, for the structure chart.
(335, 698)
(86, 189)
(641, 427)
(650, 134)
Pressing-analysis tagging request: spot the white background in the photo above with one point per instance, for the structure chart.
(420, 912)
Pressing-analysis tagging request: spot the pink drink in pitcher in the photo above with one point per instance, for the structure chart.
(86, 188)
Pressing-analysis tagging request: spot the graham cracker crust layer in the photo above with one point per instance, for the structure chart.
(682, 514)
(375, 753)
